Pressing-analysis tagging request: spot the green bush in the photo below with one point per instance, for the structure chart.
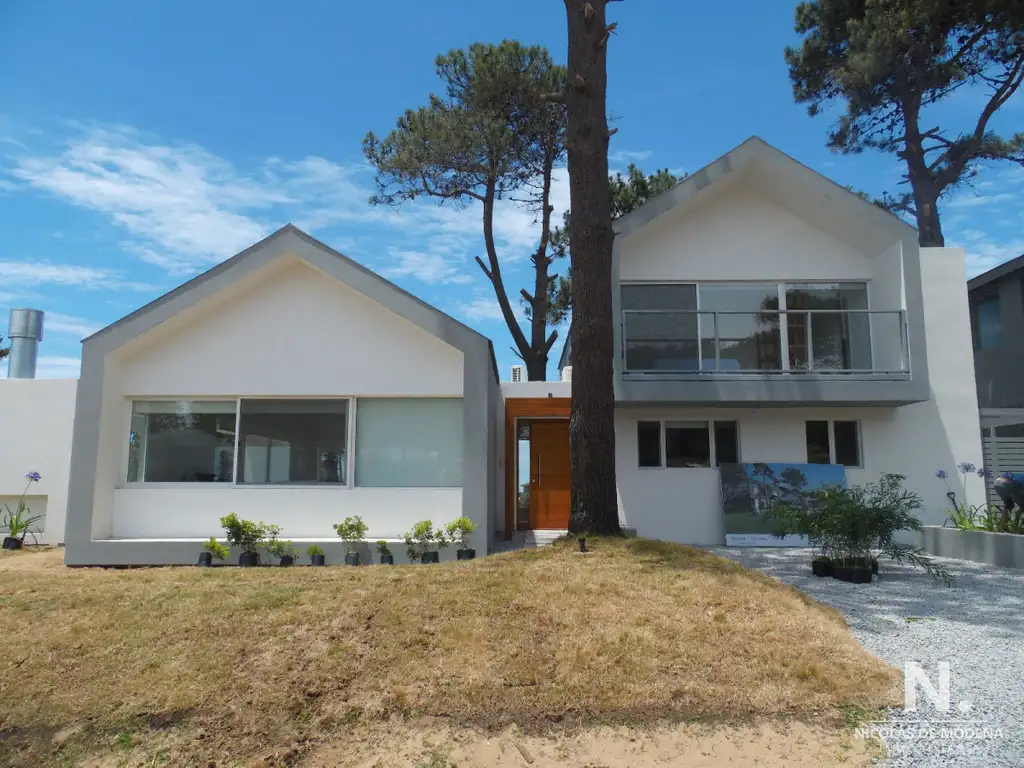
(280, 548)
(422, 538)
(383, 548)
(459, 531)
(216, 549)
(852, 523)
(352, 530)
(313, 549)
(246, 534)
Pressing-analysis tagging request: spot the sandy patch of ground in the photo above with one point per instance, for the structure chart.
(766, 745)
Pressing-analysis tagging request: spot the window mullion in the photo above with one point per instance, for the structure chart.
(238, 433)
(831, 441)
(350, 445)
(783, 327)
(711, 443)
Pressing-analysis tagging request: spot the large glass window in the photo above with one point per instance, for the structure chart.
(660, 327)
(838, 340)
(749, 337)
(182, 441)
(408, 443)
(833, 442)
(687, 443)
(293, 441)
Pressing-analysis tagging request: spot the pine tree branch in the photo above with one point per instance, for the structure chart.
(550, 342)
(486, 271)
(526, 295)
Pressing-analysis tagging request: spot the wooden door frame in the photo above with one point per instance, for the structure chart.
(520, 408)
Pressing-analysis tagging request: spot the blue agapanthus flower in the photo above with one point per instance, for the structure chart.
(35, 477)
(965, 467)
(1008, 476)
(982, 472)
(941, 474)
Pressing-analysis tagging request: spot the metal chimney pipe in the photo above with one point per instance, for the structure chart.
(25, 333)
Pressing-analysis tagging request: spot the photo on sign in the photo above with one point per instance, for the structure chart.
(748, 490)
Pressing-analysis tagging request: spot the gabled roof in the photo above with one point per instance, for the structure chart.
(774, 170)
(996, 273)
(290, 240)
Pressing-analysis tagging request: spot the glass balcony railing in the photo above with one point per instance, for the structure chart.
(796, 341)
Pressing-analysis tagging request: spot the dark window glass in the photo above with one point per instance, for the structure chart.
(847, 440)
(292, 441)
(727, 447)
(747, 330)
(648, 443)
(183, 441)
(817, 443)
(987, 323)
(687, 444)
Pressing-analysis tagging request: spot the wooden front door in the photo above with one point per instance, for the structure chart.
(549, 474)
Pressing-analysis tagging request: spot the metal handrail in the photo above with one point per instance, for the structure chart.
(700, 337)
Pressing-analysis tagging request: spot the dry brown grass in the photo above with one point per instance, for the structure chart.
(182, 666)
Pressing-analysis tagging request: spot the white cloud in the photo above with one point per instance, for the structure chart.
(26, 273)
(429, 267)
(982, 256)
(486, 308)
(626, 156)
(55, 322)
(977, 200)
(182, 208)
(49, 367)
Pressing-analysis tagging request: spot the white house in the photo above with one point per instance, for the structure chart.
(290, 385)
(764, 314)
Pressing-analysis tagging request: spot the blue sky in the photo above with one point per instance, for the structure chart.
(141, 143)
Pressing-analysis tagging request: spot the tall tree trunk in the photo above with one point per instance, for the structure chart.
(592, 419)
(540, 345)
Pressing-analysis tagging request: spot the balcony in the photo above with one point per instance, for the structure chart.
(806, 342)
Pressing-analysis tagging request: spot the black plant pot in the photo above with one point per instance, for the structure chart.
(249, 559)
(205, 559)
(387, 559)
(821, 568)
(860, 574)
(12, 543)
(431, 557)
(874, 565)
(316, 560)
(352, 558)
(583, 544)
(287, 560)
(841, 572)
(465, 554)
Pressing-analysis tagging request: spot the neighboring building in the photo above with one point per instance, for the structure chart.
(763, 314)
(997, 330)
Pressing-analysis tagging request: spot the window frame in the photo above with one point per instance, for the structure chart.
(832, 442)
(663, 445)
(780, 287)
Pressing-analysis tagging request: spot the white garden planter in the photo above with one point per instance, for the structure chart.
(1005, 550)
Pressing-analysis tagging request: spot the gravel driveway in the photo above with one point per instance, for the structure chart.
(977, 626)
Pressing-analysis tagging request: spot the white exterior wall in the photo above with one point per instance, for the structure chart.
(36, 419)
(685, 505)
(294, 332)
(737, 234)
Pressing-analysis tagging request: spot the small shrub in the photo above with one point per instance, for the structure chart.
(352, 530)
(313, 549)
(280, 548)
(20, 522)
(459, 531)
(383, 548)
(246, 534)
(421, 538)
(217, 550)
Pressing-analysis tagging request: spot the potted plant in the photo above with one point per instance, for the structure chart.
(282, 550)
(316, 555)
(386, 558)
(423, 542)
(458, 532)
(352, 530)
(821, 565)
(19, 522)
(247, 536)
(212, 550)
